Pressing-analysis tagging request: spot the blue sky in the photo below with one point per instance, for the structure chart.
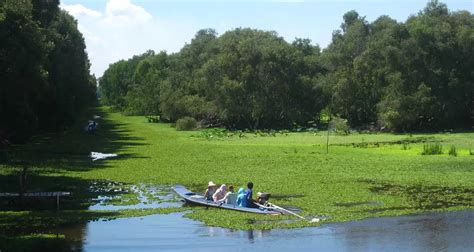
(119, 29)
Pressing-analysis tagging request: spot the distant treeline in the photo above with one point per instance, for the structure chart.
(45, 82)
(416, 75)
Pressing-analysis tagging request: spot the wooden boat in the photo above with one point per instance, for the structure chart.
(198, 199)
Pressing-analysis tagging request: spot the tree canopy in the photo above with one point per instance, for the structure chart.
(401, 76)
(44, 69)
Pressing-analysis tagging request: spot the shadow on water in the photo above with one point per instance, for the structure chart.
(70, 150)
(45, 159)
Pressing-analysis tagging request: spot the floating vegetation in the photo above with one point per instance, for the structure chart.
(216, 133)
(452, 151)
(423, 197)
(118, 196)
(220, 133)
(405, 146)
(107, 187)
(432, 149)
(362, 203)
(363, 144)
(404, 142)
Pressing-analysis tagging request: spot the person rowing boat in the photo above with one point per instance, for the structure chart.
(199, 199)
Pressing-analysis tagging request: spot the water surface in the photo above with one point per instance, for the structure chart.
(452, 231)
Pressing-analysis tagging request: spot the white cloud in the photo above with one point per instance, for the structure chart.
(124, 12)
(78, 10)
(124, 29)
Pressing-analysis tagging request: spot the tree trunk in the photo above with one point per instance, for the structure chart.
(22, 184)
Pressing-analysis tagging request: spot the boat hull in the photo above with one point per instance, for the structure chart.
(197, 199)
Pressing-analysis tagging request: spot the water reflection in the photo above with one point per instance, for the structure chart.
(145, 196)
(446, 231)
(432, 232)
(250, 235)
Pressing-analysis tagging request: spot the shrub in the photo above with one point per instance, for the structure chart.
(452, 151)
(471, 152)
(432, 149)
(186, 123)
(340, 126)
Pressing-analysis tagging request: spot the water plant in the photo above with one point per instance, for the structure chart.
(432, 149)
(405, 146)
(155, 153)
(216, 133)
(452, 151)
(363, 144)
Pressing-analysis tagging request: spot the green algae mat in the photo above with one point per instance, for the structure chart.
(363, 175)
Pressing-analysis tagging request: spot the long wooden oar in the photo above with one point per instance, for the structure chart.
(293, 213)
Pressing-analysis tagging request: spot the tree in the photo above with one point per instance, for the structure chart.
(23, 77)
(413, 75)
(44, 75)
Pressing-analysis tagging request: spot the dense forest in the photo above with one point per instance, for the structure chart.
(401, 76)
(45, 83)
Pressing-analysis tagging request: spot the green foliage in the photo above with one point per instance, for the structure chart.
(117, 81)
(339, 125)
(44, 69)
(403, 76)
(222, 80)
(154, 153)
(220, 133)
(153, 118)
(405, 146)
(432, 149)
(384, 74)
(453, 151)
(216, 133)
(471, 152)
(186, 123)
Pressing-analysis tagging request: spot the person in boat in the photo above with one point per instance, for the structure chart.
(262, 198)
(92, 126)
(220, 193)
(240, 201)
(230, 197)
(211, 189)
(248, 196)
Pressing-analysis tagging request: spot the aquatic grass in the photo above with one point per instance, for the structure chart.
(221, 133)
(405, 146)
(452, 151)
(432, 149)
(122, 200)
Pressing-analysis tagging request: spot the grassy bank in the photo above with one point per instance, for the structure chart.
(364, 175)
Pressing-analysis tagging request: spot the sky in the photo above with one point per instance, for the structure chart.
(118, 29)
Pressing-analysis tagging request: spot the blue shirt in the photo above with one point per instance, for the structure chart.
(241, 198)
(248, 197)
